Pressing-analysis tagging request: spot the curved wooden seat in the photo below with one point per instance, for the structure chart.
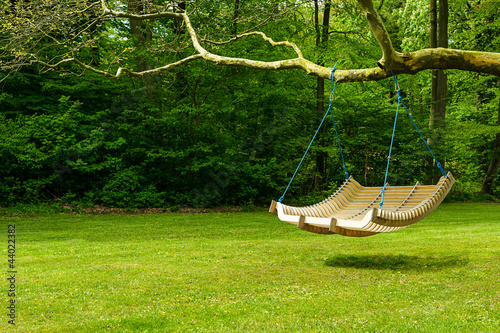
(353, 209)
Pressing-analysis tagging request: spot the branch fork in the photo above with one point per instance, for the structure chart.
(391, 60)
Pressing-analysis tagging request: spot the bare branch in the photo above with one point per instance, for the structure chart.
(120, 70)
(389, 55)
(265, 37)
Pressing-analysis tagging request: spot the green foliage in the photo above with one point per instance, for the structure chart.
(124, 189)
(30, 210)
(413, 20)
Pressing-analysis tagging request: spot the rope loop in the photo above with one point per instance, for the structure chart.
(332, 79)
(396, 83)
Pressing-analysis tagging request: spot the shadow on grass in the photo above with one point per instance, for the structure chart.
(395, 262)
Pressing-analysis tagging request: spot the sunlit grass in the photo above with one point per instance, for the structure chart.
(250, 272)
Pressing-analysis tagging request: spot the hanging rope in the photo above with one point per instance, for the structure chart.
(333, 120)
(332, 95)
(400, 101)
(390, 149)
(411, 118)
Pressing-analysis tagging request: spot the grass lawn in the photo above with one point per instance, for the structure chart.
(250, 272)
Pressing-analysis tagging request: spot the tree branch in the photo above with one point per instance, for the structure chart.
(389, 55)
(120, 70)
(399, 63)
(264, 36)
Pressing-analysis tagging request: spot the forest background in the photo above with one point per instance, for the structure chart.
(201, 135)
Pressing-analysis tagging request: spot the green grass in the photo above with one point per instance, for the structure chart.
(250, 272)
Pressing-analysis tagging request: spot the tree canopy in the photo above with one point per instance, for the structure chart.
(56, 34)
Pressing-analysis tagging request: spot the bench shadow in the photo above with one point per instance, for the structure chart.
(395, 262)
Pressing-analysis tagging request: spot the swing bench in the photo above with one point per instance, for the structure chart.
(359, 211)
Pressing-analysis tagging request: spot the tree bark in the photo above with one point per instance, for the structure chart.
(437, 120)
(321, 40)
(442, 84)
(141, 33)
(433, 38)
(433, 27)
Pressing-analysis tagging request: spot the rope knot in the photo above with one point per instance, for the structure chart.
(332, 74)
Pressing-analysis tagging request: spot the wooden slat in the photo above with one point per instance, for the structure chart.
(403, 206)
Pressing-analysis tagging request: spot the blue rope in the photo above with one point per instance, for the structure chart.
(332, 94)
(400, 101)
(390, 149)
(333, 120)
(300, 163)
(411, 118)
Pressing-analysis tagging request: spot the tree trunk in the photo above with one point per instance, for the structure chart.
(433, 27)
(489, 178)
(443, 24)
(442, 78)
(437, 120)
(234, 26)
(141, 33)
(429, 163)
(321, 40)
